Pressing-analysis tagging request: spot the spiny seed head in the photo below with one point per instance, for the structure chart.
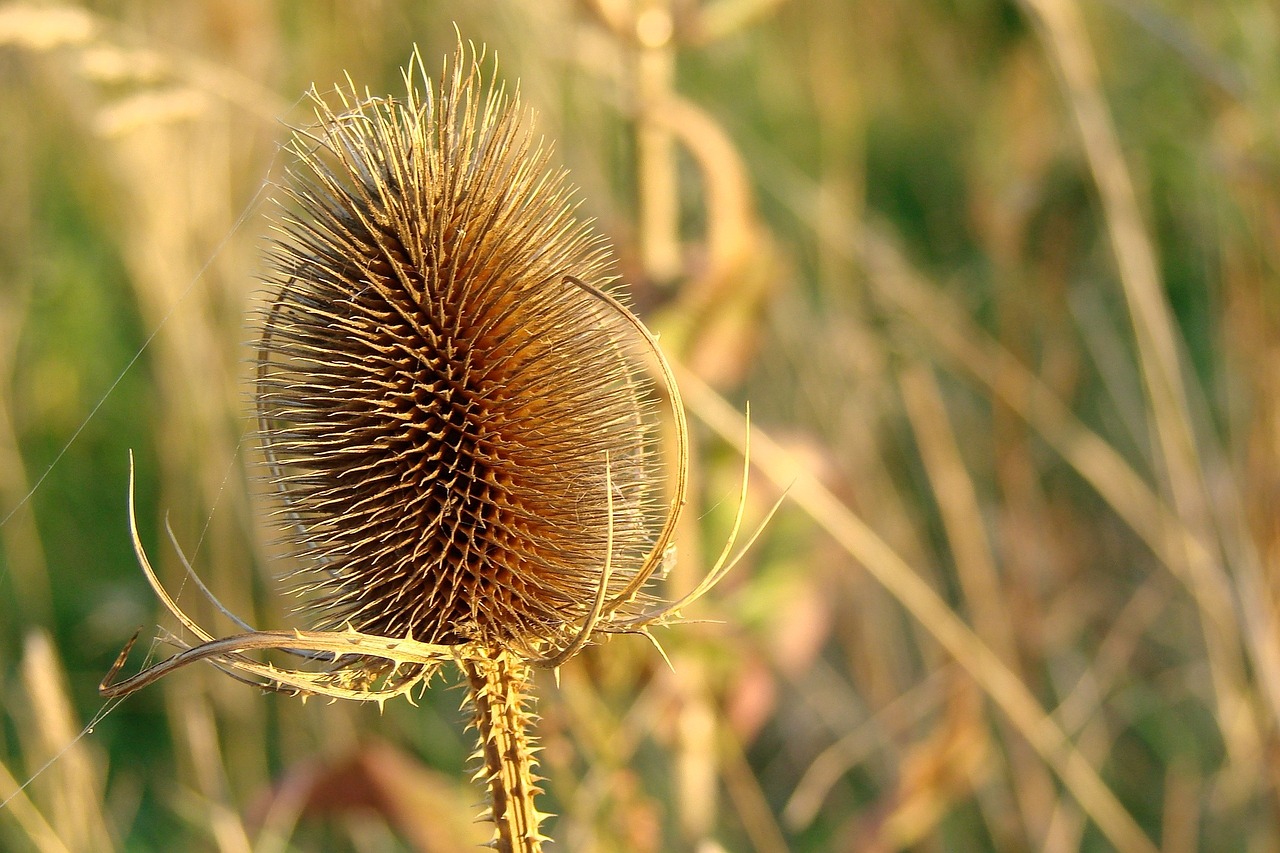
(438, 399)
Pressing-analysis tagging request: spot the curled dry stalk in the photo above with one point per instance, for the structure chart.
(457, 422)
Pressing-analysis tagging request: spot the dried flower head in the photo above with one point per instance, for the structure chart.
(439, 392)
(458, 418)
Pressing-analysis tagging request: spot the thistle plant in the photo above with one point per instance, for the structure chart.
(459, 418)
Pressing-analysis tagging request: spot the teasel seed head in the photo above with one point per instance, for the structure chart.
(458, 426)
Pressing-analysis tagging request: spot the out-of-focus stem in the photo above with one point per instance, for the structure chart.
(1001, 684)
(1067, 44)
(657, 181)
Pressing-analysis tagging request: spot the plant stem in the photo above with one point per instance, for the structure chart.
(497, 682)
(658, 182)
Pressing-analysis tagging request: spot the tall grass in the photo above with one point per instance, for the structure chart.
(998, 280)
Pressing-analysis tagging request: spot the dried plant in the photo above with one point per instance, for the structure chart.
(457, 419)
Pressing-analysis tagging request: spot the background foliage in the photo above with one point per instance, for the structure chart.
(998, 279)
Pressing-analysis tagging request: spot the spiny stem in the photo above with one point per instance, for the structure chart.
(497, 682)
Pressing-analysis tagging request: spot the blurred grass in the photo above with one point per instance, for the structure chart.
(1008, 330)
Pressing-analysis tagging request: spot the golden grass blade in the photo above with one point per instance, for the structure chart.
(985, 595)
(958, 503)
(744, 790)
(976, 354)
(28, 816)
(74, 781)
(200, 734)
(1155, 332)
(857, 745)
(888, 568)
(1184, 551)
(20, 545)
